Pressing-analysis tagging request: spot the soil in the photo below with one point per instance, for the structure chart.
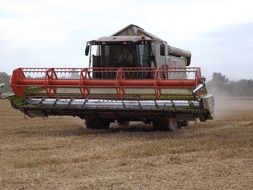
(60, 153)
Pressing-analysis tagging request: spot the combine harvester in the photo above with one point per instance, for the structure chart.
(132, 76)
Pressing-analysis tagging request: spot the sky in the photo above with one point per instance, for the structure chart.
(53, 33)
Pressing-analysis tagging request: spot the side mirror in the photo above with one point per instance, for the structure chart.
(87, 49)
(169, 50)
(162, 49)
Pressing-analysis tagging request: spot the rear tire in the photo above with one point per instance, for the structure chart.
(94, 122)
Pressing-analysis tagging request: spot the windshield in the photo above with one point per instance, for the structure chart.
(118, 55)
(125, 55)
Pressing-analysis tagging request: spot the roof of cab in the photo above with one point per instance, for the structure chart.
(123, 39)
(130, 33)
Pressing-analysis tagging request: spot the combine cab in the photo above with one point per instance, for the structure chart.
(132, 76)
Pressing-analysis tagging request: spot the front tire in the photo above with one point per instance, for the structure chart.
(123, 123)
(182, 124)
(164, 124)
(94, 122)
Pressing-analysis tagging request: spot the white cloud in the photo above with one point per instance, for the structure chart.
(184, 19)
(53, 20)
(44, 25)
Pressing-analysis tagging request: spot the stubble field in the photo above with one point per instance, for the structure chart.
(59, 153)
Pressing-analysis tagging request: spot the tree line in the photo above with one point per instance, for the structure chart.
(219, 85)
(4, 78)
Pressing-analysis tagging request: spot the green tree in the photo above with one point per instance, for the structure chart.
(220, 85)
(4, 78)
(219, 80)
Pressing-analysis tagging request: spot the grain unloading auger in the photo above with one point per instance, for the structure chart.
(132, 76)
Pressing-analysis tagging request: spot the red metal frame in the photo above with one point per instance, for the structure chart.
(49, 78)
(51, 82)
(84, 89)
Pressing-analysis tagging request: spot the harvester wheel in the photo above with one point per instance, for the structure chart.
(164, 124)
(123, 123)
(160, 124)
(182, 124)
(94, 122)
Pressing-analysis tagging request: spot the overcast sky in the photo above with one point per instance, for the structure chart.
(53, 33)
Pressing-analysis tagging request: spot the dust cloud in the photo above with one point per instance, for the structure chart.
(226, 104)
